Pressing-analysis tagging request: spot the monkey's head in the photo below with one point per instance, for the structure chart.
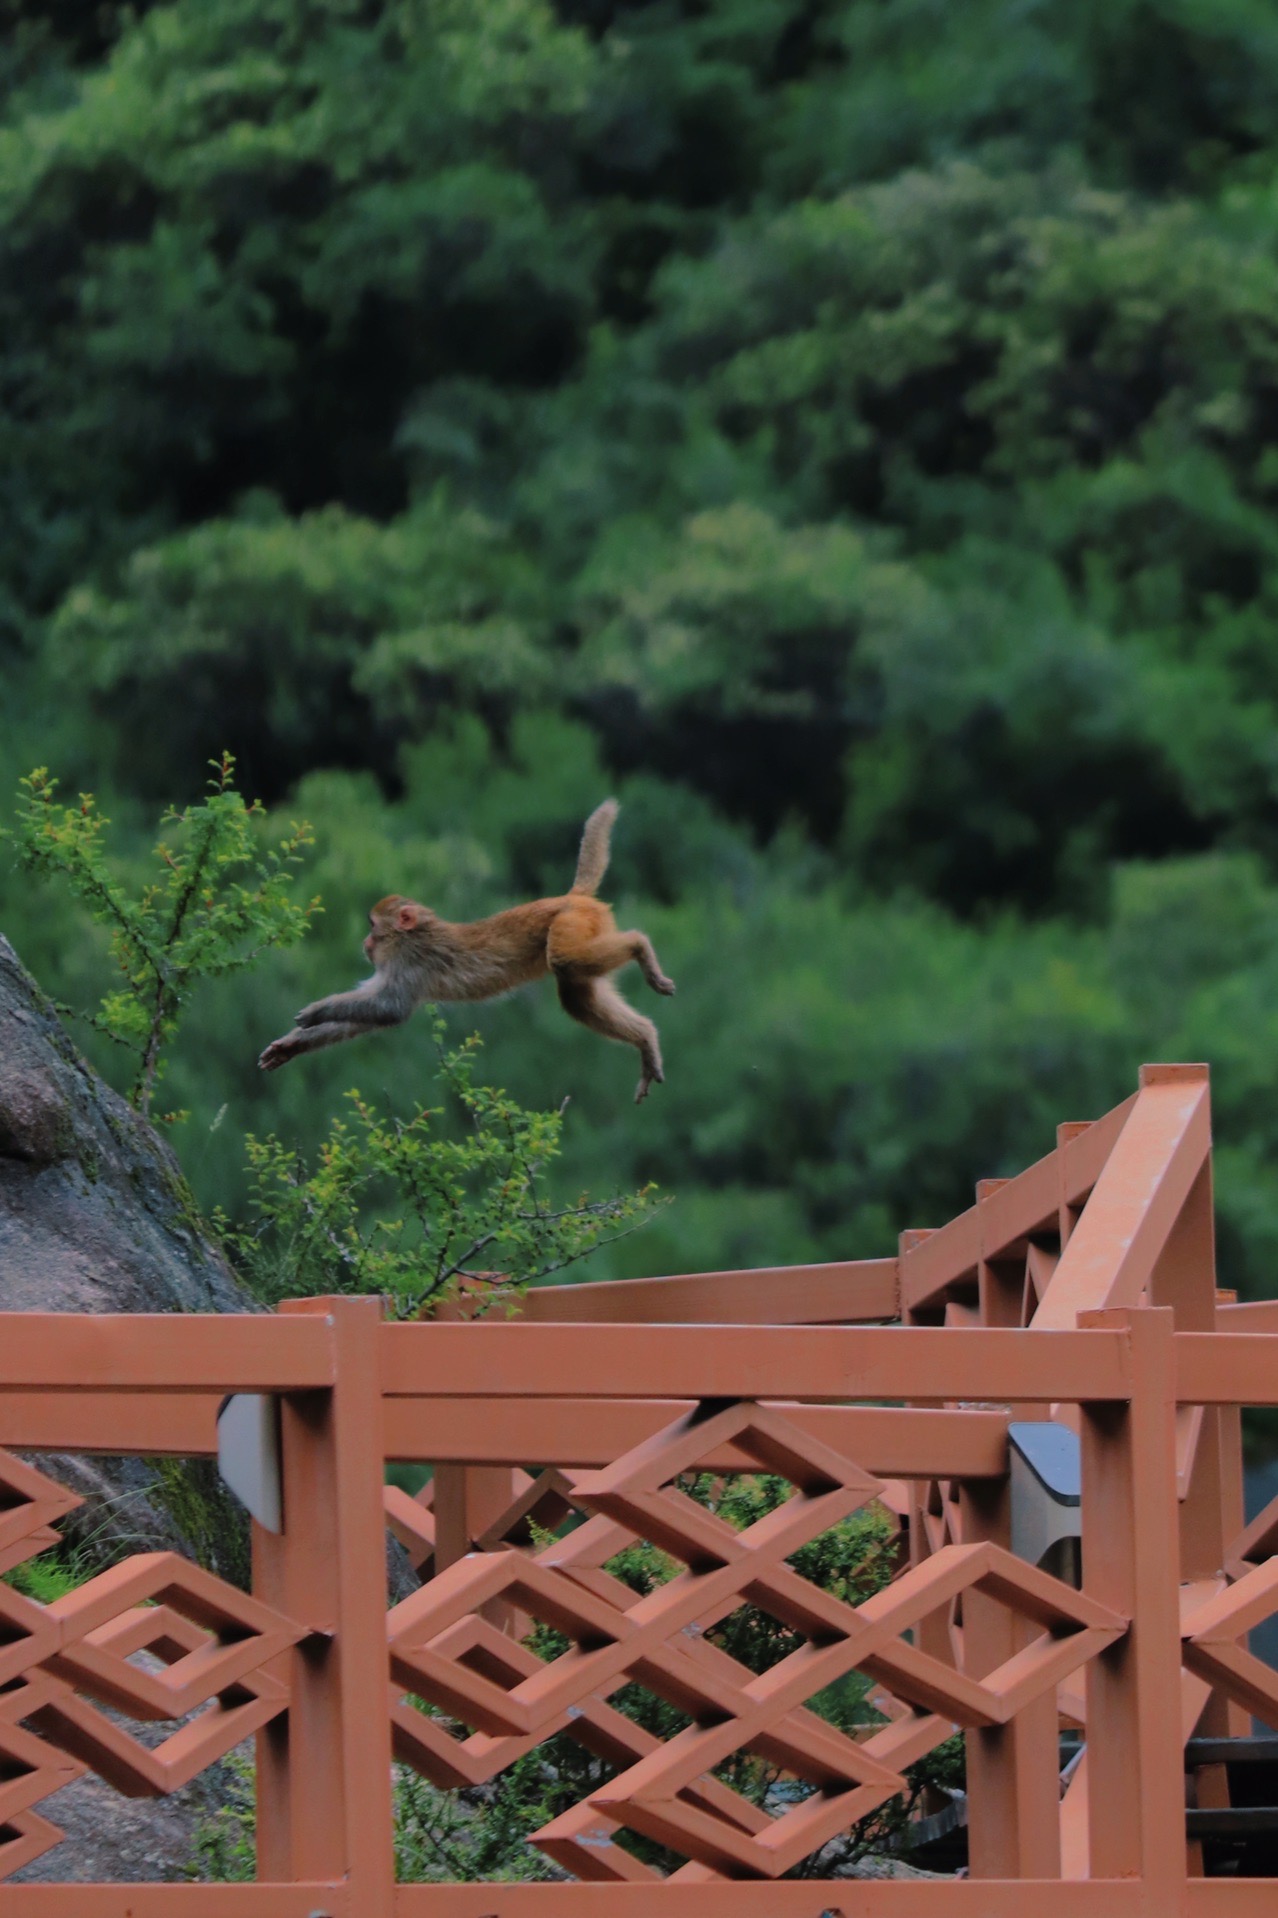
(396, 924)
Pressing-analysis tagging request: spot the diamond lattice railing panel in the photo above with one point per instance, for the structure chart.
(1210, 1640)
(32, 1770)
(25, 1838)
(157, 1639)
(30, 1503)
(238, 1634)
(29, 1771)
(1257, 1542)
(444, 1652)
(28, 1634)
(154, 1639)
(411, 1519)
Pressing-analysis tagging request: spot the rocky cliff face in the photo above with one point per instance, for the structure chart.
(94, 1213)
(95, 1217)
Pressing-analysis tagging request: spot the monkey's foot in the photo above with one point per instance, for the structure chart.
(661, 984)
(652, 1075)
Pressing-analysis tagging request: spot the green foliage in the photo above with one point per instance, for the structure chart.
(402, 1208)
(478, 1836)
(207, 1514)
(198, 920)
(49, 1575)
(224, 1845)
(844, 430)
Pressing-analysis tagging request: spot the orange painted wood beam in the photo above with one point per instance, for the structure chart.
(863, 1290)
(900, 1898)
(849, 1897)
(890, 1441)
(1250, 1315)
(1018, 1208)
(167, 1423)
(1137, 1199)
(728, 1361)
(164, 1351)
(1227, 1368)
(175, 1901)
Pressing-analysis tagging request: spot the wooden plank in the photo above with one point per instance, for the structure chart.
(811, 1898)
(1252, 1315)
(1010, 1211)
(889, 1441)
(164, 1351)
(847, 1292)
(1085, 1154)
(175, 1901)
(1229, 1898)
(1020, 1207)
(851, 1898)
(1136, 1201)
(1227, 1368)
(937, 1259)
(511, 1361)
(173, 1424)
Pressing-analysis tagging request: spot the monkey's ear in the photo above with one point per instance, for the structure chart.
(406, 918)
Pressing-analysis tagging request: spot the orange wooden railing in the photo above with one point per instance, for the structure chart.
(581, 1414)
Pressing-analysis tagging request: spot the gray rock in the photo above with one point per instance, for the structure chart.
(95, 1215)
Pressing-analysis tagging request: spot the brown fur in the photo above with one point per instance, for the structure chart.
(420, 958)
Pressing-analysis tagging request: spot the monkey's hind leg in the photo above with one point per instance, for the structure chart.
(605, 951)
(642, 949)
(597, 1003)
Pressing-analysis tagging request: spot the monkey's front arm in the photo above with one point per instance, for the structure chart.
(330, 1022)
(308, 1039)
(375, 1003)
(346, 1015)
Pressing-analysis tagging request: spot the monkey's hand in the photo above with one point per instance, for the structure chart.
(663, 983)
(331, 1032)
(280, 1051)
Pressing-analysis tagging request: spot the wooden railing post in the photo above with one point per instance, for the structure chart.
(468, 1499)
(323, 1774)
(1131, 1561)
(1013, 1771)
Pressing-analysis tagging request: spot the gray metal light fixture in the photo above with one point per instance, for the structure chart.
(248, 1454)
(1046, 1490)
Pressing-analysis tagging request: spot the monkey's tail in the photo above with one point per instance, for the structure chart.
(592, 860)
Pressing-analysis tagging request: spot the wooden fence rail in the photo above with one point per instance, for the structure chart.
(1082, 1292)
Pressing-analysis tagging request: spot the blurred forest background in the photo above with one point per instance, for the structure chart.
(845, 429)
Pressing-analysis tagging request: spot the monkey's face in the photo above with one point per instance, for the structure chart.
(393, 924)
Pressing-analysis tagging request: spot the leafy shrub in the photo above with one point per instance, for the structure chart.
(220, 899)
(400, 1207)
